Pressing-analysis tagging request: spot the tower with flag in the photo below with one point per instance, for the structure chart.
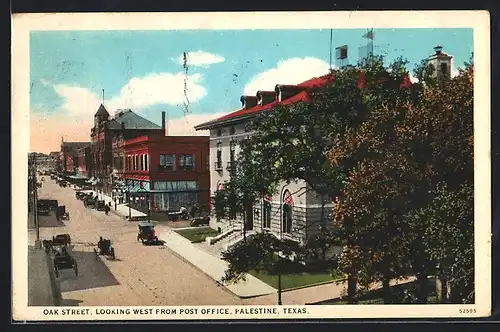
(366, 51)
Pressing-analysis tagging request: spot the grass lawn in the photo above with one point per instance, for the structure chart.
(376, 296)
(294, 280)
(197, 234)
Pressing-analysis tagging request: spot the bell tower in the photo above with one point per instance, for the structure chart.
(440, 64)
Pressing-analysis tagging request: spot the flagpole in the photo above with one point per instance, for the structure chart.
(331, 41)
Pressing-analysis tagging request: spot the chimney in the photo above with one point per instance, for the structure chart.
(438, 49)
(163, 122)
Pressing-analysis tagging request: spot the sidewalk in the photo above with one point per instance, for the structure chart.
(212, 266)
(42, 290)
(122, 210)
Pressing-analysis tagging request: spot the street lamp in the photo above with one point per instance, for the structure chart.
(281, 238)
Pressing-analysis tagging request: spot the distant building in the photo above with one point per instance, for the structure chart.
(85, 162)
(173, 168)
(126, 124)
(68, 156)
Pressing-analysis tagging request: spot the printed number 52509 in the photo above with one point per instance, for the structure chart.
(467, 311)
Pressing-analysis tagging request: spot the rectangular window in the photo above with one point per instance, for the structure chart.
(167, 162)
(187, 161)
(218, 163)
(141, 162)
(266, 214)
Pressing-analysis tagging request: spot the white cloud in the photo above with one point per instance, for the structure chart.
(200, 58)
(78, 101)
(184, 126)
(290, 71)
(139, 92)
(159, 88)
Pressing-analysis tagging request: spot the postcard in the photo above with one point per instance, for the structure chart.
(258, 165)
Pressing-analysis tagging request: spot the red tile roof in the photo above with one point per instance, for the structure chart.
(303, 96)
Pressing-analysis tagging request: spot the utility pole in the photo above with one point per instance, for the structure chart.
(35, 203)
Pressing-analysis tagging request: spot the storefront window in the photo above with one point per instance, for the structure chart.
(167, 162)
(187, 161)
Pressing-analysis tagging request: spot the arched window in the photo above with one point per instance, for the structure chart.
(287, 212)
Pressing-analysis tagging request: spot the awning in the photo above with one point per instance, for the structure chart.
(77, 177)
(135, 187)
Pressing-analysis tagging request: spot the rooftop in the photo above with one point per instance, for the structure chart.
(302, 94)
(127, 119)
(102, 111)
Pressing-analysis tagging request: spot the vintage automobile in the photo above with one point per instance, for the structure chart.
(100, 205)
(175, 215)
(90, 201)
(64, 261)
(104, 248)
(147, 234)
(59, 241)
(43, 208)
(200, 221)
(62, 213)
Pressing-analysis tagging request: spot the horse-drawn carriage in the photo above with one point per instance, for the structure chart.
(60, 247)
(147, 234)
(105, 248)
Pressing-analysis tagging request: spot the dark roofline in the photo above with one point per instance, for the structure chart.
(221, 123)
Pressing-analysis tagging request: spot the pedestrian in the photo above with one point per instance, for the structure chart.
(106, 209)
(115, 203)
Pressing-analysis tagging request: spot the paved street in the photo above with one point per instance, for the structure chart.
(140, 275)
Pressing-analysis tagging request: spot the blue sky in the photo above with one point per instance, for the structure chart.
(140, 69)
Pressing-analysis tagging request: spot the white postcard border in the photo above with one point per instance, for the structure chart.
(478, 20)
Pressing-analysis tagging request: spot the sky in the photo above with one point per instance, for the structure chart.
(143, 71)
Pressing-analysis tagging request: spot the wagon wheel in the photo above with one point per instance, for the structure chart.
(96, 254)
(113, 253)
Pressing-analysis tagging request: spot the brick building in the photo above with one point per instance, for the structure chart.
(84, 162)
(126, 124)
(174, 169)
(68, 156)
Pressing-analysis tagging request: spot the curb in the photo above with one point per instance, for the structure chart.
(217, 282)
(315, 284)
(56, 290)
